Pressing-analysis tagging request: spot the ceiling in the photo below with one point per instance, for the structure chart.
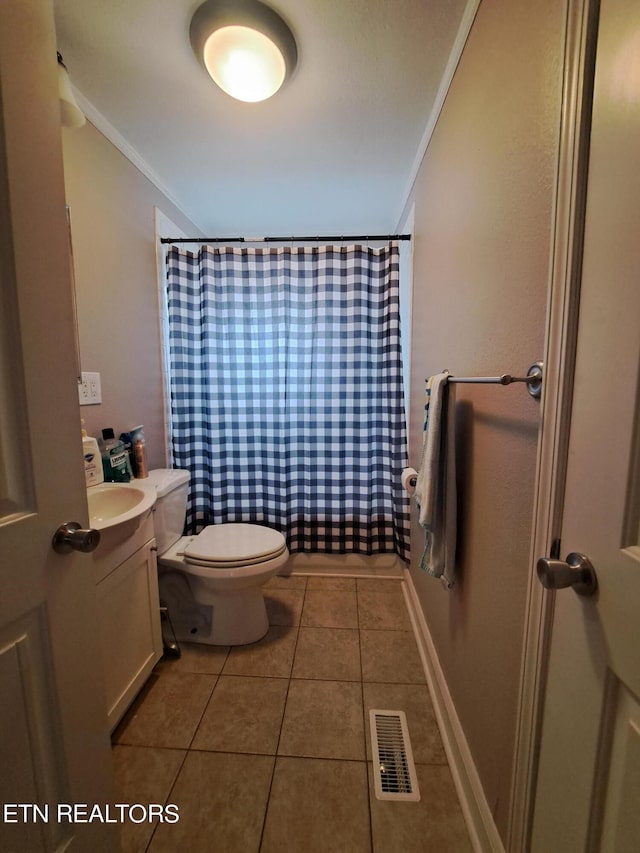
(333, 152)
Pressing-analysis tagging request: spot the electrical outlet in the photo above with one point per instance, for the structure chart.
(89, 389)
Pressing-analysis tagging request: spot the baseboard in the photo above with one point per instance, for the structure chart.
(345, 565)
(477, 814)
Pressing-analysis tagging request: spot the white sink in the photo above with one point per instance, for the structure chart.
(114, 504)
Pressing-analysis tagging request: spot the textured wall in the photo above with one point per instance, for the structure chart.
(112, 218)
(483, 215)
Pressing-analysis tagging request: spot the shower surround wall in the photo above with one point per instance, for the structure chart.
(483, 214)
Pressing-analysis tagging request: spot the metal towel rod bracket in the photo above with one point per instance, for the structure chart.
(533, 379)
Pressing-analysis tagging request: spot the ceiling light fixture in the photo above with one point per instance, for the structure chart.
(245, 46)
(70, 113)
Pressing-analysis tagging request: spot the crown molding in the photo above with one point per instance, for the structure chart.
(462, 35)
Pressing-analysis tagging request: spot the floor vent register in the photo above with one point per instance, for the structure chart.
(393, 768)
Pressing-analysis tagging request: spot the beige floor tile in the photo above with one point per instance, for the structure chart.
(321, 794)
(167, 710)
(222, 800)
(144, 775)
(434, 823)
(383, 611)
(286, 582)
(415, 701)
(330, 609)
(328, 653)
(317, 806)
(323, 719)
(328, 583)
(243, 715)
(284, 606)
(390, 657)
(272, 656)
(196, 657)
(389, 585)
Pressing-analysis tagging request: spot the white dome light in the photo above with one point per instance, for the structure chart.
(245, 46)
(244, 63)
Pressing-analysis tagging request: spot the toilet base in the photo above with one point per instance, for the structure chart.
(200, 615)
(239, 617)
(220, 607)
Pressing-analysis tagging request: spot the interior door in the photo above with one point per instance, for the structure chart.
(54, 745)
(588, 792)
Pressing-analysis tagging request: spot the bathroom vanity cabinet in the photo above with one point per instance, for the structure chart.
(129, 613)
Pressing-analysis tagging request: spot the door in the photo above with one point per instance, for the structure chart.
(588, 791)
(54, 746)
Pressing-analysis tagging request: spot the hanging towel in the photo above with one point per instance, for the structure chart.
(436, 485)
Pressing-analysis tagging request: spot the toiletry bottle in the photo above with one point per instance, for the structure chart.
(125, 438)
(139, 452)
(115, 459)
(93, 472)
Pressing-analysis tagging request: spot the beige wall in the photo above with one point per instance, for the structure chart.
(483, 212)
(113, 229)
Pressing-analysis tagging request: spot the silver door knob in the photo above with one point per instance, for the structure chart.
(71, 537)
(576, 572)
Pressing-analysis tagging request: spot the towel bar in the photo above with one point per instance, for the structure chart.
(533, 379)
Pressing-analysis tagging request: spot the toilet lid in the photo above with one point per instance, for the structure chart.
(236, 544)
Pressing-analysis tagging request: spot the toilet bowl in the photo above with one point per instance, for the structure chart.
(211, 583)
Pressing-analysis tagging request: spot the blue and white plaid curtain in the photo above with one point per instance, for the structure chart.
(286, 393)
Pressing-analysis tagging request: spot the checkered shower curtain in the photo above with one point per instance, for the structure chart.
(286, 392)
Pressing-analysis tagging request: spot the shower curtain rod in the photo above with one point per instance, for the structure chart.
(339, 238)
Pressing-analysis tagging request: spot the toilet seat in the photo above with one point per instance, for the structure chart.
(214, 565)
(175, 558)
(229, 546)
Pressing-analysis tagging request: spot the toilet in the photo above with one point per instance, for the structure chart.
(211, 583)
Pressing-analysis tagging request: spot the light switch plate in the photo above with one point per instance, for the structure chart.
(89, 389)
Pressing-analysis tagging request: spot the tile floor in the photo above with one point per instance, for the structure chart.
(266, 747)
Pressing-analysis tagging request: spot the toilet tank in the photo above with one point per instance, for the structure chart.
(172, 486)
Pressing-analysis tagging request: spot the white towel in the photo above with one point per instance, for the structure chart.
(436, 484)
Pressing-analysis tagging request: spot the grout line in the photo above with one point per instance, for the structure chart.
(284, 708)
(204, 711)
(187, 750)
(364, 724)
(272, 755)
(333, 679)
(170, 792)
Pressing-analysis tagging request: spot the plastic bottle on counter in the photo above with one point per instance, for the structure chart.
(93, 473)
(115, 459)
(125, 438)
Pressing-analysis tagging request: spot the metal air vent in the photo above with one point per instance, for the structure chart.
(393, 769)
